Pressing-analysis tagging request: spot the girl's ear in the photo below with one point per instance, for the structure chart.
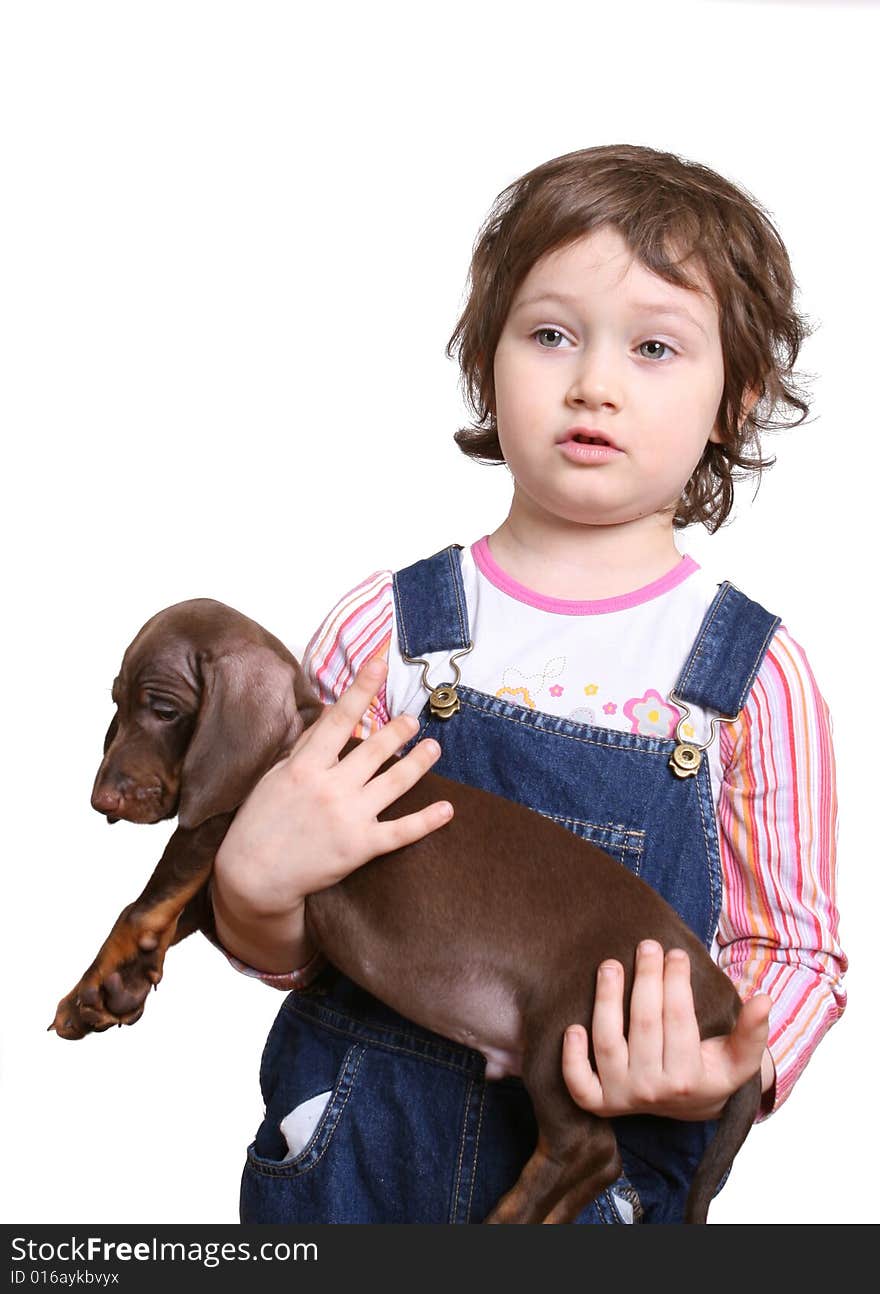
(248, 710)
(749, 400)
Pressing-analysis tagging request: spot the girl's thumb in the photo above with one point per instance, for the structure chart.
(749, 1037)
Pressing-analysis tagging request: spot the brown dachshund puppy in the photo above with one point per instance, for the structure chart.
(207, 701)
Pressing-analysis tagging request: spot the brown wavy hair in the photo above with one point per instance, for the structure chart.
(667, 210)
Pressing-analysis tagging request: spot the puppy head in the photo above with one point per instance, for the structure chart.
(206, 701)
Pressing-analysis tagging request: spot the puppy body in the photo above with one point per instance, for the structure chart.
(559, 907)
(488, 931)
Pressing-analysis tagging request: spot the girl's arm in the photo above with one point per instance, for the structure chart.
(311, 820)
(778, 929)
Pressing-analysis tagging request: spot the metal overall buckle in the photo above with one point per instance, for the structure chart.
(443, 699)
(685, 760)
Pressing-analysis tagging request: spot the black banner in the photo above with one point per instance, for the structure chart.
(133, 1258)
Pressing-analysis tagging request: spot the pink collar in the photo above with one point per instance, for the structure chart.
(487, 565)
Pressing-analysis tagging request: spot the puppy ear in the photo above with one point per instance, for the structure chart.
(250, 705)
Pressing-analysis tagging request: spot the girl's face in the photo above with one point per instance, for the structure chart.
(594, 340)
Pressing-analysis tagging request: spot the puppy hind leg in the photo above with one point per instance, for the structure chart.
(575, 1158)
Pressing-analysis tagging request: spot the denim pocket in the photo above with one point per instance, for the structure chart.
(626, 844)
(318, 1143)
(395, 1142)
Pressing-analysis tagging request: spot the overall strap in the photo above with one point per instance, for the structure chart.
(727, 653)
(430, 605)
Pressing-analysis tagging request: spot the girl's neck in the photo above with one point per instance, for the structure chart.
(562, 559)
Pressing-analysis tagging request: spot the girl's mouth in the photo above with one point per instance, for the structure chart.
(583, 449)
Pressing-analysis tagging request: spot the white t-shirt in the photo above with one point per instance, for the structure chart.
(584, 661)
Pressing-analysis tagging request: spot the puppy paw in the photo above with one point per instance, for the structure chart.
(114, 989)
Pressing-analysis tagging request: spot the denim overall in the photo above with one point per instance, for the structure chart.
(411, 1131)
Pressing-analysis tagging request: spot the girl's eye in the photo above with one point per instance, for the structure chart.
(653, 342)
(661, 349)
(552, 332)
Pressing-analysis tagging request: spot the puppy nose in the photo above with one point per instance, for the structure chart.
(106, 799)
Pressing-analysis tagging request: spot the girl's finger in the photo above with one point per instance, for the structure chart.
(580, 1078)
(360, 764)
(403, 774)
(681, 1033)
(609, 1043)
(645, 1037)
(323, 741)
(398, 832)
(745, 1045)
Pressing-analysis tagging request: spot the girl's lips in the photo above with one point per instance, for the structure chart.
(579, 453)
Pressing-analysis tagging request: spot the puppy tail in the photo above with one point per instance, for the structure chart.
(736, 1119)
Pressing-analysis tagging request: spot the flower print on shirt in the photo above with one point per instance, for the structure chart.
(523, 688)
(518, 694)
(651, 716)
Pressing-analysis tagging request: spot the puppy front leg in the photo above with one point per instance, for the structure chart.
(114, 989)
(197, 915)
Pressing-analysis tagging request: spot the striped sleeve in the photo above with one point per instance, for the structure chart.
(777, 814)
(358, 628)
(285, 981)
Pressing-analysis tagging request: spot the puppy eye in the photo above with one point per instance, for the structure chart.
(165, 713)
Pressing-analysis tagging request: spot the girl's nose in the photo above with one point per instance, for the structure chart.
(597, 381)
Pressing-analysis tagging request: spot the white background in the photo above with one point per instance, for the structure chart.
(235, 242)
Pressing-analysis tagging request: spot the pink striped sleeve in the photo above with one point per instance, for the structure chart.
(357, 628)
(778, 929)
(285, 981)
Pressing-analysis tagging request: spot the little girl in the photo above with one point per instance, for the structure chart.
(629, 329)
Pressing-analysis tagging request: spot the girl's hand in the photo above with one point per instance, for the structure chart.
(662, 1067)
(312, 818)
